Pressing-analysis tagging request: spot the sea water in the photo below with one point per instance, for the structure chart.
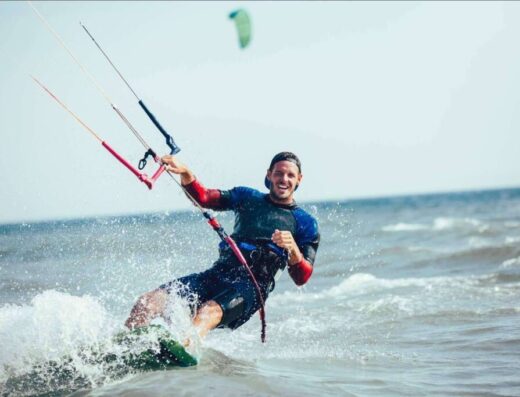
(410, 296)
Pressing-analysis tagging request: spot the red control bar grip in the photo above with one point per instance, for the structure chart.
(140, 175)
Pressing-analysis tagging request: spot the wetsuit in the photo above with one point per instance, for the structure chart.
(227, 281)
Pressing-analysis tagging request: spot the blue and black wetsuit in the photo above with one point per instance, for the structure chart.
(256, 218)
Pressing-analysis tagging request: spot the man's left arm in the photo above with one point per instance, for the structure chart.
(301, 259)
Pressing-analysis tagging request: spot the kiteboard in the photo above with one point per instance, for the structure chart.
(165, 352)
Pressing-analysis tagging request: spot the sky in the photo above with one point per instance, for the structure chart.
(377, 99)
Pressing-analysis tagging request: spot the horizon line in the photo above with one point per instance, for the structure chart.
(303, 203)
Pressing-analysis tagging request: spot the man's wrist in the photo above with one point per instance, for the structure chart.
(187, 178)
(295, 258)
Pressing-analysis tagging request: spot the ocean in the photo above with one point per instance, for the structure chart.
(410, 296)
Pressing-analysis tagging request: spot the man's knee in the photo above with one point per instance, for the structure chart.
(211, 309)
(210, 313)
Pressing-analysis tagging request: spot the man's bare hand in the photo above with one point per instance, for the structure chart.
(172, 164)
(284, 239)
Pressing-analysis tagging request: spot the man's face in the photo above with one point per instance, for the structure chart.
(284, 178)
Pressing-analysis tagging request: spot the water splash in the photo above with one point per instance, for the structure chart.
(60, 343)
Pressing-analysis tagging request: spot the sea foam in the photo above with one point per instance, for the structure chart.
(52, 326)
(439, 224)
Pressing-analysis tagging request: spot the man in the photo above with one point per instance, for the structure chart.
(271, 231)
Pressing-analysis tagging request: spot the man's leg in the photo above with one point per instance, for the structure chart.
(147, 307)
(208, 317)
(152, 304)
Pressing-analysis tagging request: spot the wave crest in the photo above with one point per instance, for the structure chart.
(439, 224)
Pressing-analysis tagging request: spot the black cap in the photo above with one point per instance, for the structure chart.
(286, 156)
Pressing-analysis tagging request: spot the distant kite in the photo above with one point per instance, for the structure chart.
(243, 25)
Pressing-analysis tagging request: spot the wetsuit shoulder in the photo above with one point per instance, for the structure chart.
(306, 227)
(241, 194)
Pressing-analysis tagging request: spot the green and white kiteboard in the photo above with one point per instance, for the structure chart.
(164, 354)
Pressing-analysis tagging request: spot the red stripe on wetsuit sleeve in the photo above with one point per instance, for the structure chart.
(300, 272)
(208, 198)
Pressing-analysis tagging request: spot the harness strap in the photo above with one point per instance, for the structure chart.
(252, 247)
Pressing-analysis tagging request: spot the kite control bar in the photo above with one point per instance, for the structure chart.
(148, 181)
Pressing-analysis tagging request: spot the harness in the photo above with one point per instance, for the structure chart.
(266, 260)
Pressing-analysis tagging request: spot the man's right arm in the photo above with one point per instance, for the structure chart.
(207, 198)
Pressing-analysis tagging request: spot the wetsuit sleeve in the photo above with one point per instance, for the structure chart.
(209, 198)
(308, 239)
(301, 272)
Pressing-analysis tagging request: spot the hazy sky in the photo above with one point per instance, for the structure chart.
(376, 98)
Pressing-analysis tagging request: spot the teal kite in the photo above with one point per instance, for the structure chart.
(243, 25)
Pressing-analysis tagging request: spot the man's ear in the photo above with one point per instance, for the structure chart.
(299, 181)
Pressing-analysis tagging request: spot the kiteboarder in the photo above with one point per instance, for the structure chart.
(272, 232)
